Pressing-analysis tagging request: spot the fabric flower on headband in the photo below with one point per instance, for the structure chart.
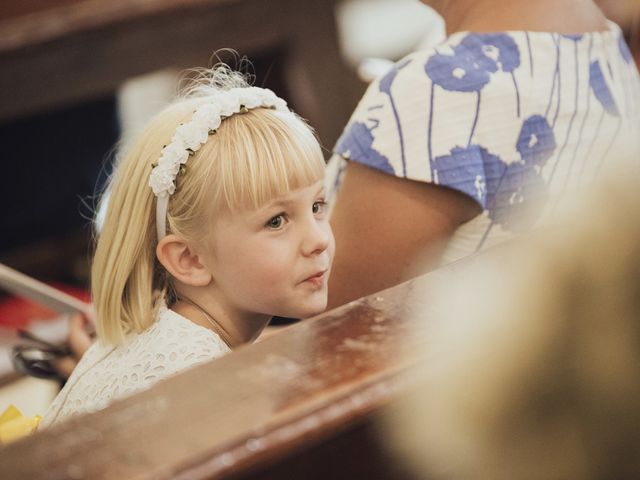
(190, 136)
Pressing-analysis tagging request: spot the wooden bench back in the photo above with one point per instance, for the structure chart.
(268, 408)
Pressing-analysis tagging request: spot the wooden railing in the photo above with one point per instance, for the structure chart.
(300, 404)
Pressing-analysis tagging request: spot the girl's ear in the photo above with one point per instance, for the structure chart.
(181, 262)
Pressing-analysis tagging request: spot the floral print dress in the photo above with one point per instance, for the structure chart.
(515, 120)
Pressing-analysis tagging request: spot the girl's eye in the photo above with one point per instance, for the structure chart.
(276, 222)
(318, 207)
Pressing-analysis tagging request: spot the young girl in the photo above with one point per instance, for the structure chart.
(215, 224)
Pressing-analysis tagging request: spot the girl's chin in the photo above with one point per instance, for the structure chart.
(310, 311)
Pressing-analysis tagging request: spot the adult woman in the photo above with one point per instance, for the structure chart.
(471, 142)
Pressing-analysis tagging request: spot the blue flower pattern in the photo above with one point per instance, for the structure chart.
(504, 187)
(500, 188)
(601, 90)
(521, 183)
(624, 50)
(357, 142)
(503, 190)
(387, 80)
(473, 61)
(467, 169)
(385, 87)
(536, 142)
(460, 72)
(511, 194)
(500, 50)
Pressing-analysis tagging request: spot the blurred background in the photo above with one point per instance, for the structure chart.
(78, 75)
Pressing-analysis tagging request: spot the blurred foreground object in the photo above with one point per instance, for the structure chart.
(14, 425)
(48, 296)
(376, 33)
(533, 368)
(46, 357)
(42, 359)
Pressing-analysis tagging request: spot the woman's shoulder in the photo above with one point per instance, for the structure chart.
(466, 61)
(421, 106)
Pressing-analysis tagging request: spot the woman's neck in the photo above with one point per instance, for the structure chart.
(235, 328)
(562, 16)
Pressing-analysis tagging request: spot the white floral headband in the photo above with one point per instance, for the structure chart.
(190, 136)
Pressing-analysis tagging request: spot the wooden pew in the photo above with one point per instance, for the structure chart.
(300, 404)
(58, 52)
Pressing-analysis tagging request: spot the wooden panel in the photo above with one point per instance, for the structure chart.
(79, 50)
(24, 23)
(353, 453)
(250, 413)
(84, 65)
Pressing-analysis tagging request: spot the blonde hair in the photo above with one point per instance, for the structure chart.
(253, 158)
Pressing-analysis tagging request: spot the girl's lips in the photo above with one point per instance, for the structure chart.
(316, 279)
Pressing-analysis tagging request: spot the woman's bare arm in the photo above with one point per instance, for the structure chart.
(383, 225)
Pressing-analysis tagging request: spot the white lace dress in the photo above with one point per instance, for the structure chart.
(106, 372)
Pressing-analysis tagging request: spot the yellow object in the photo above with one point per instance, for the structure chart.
(14, 425)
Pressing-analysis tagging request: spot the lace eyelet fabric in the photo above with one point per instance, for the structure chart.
(107, 373)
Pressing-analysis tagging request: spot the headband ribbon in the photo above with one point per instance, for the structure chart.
(190, 136)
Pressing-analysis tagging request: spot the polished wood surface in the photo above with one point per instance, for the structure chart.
(267, 408)
(60, 52)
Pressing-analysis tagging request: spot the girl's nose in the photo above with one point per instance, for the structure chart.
(317, 238)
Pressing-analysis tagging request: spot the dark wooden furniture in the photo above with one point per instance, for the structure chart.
(300, 404)
(59, 52)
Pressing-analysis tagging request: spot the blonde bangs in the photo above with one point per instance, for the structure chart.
(260, 156)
